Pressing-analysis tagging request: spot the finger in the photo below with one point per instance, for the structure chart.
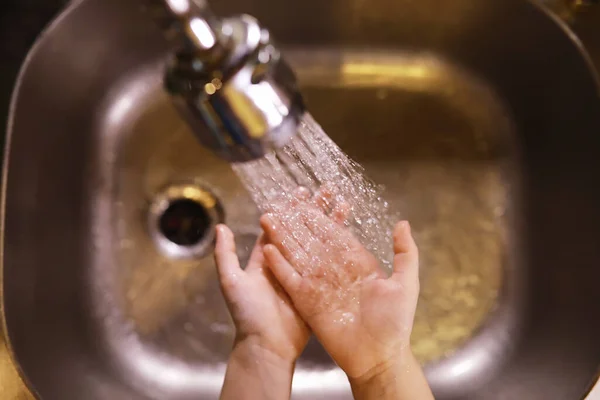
(278, 235)
(302, 193)
(228, 265)
(326, 230)
(340, 213)
(268, 273)
(324, 198)
(406, 254)
(299, 195)
(257, 257)
(283, 271)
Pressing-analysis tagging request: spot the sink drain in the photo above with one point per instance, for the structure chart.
(182, 220)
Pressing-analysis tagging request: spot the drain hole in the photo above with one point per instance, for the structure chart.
(185, 222)
(182, 219)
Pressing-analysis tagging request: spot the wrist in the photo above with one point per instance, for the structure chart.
(399, 378)
(250, 353)
(254, 372)
(386, 371)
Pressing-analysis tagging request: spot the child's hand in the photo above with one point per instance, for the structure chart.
(264, 316)
(363, 319)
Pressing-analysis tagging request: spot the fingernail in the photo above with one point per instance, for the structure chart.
(221, 230)
(404, 225)
(270, 221)
(302, 192)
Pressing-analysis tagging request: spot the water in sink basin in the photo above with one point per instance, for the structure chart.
(163, 321)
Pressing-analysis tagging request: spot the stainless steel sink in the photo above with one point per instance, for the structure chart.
(490, 152)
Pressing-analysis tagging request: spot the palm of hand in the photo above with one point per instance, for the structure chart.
(360, 317)
(262, 312)
(381, 330)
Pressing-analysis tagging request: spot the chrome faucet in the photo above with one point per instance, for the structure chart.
(228, 80)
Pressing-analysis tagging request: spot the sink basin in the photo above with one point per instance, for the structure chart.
(488, 150)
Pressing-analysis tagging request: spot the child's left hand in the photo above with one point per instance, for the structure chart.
(264, 316)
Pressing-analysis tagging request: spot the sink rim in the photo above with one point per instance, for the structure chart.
(70, 7)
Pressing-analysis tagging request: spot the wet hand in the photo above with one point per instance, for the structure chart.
(263, 314)
(363, 319)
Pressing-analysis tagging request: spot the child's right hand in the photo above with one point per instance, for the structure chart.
(363, 319)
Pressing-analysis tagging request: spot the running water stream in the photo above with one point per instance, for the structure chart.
(311, 160)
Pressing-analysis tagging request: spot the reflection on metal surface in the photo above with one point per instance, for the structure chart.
(256, 107)
(179, 6)
(98, 311)
(11, 385)
(204, 36)
(569, 10)
(366, 69)
(394, 71)
(448, 180)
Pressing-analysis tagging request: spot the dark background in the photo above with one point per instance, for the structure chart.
(21, 21)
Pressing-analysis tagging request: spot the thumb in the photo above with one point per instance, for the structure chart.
(406, 256)
(228, 265)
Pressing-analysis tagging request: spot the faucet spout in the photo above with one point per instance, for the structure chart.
(228, 80)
